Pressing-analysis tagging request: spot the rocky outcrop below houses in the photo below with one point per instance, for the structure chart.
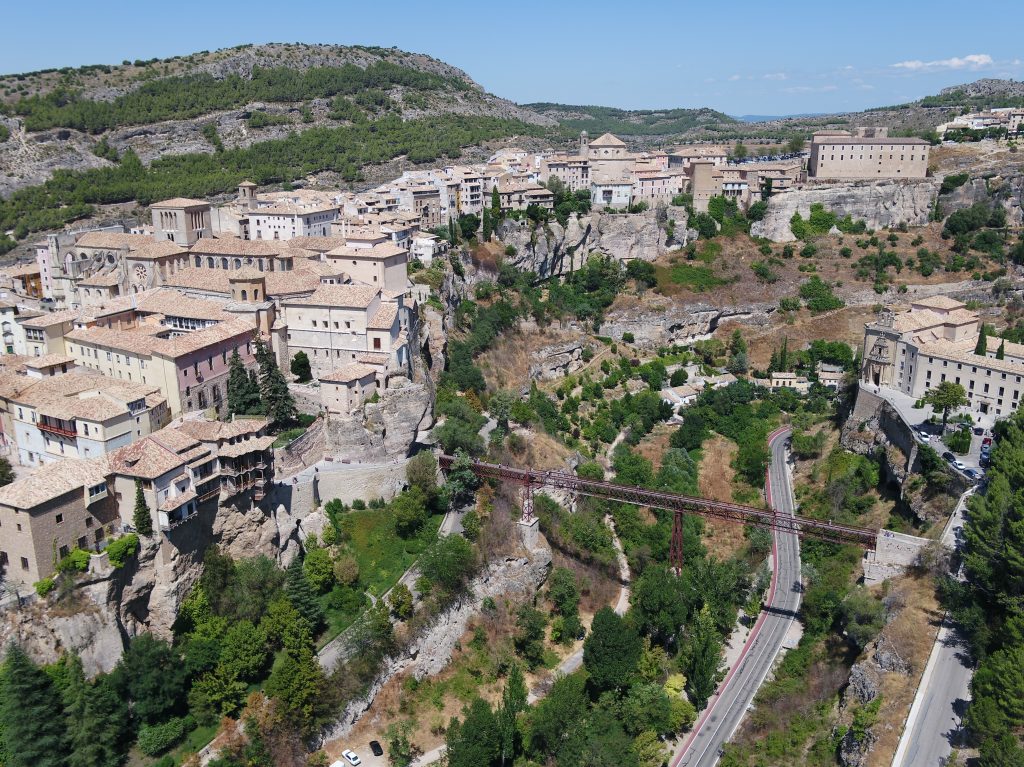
(514, 578)
(552, 249)
(557, 361)
(999, 186)
(382, 430)
(659, 322)
(879, 204)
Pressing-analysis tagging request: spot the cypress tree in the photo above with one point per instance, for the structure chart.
(982, 347)
(274, 393)
(1001, 351)
(141, 518)
(32, 714)
(301, 594)
(243, 393)
(704, 658)
(495, 204)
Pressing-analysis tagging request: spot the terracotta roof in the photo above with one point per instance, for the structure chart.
(53, 318)
(385, 317)
(171, 303)
(179, 500)
(245, 446)
(938, 302)
(155, 249)
(179, 202)
(957, 353)
(23, 271)
(373, 358)
(153, 456)
(245, 273)
(81, 393)
(349, 296)
(353, 371)
(607, 139)
(206, 430)
(109, 280)
(47, 360)
(233, 246)
(52, 481)
(112, 240)
(377, 252)
(317, 244)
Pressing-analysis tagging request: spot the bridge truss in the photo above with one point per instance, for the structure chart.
(532, 480)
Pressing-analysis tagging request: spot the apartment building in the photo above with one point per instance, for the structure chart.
(345, 389)
(916, 350)
(78, 414)
(44, 333)
(382, 265)
(681, 157)
(340, 324)
(868, 153)
(516, 194)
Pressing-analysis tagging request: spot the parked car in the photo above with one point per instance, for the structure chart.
(959, 465)
(351, 758)
(949, 456)
(923, 437)
(376, 748)
(978, 431)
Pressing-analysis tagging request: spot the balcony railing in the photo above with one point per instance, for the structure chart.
(54, 429)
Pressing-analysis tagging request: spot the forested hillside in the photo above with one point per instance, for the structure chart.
(640, 122)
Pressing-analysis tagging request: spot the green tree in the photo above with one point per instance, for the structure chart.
(243, 396)
(141, 517)
(557, 728)
(611, 651)
(495, 204)
(96, 719)
(862, 616)
(297, 683)
(513, 702)
(448, 562)
(658, 606)
(400, 601)
(981, 347)
(946, 396)
(152, 675)
(739, 151)
(564, 591)
(476, 742)
(529, 636)
(704, 657)
(410, 512)
(649, 750)
(301, 368)
(6, 472)
(216, 694)
(421, 473)
(1001, 351)
(244, 653)
(302, 595)
(400, 748)
(319, 569)
(30, 709)
(276, 398)
(500, 406)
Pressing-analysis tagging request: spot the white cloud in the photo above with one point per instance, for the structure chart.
(775, 76)
(734, 78)
(971, 61)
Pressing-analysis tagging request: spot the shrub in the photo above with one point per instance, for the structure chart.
(157, 738)
(808, 251)
(45, 586)
(77, 561)
(628, 338)
(124, 547)
(819, 296)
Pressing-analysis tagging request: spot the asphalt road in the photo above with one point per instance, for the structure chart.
(934, 724)
(723, 716)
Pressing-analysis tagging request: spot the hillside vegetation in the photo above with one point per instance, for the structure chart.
(640, 122)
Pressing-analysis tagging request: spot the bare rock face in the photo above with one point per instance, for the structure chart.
(557, 361)
(879, 204)
(659, 322)
(385, 429)
(1004, 186)
(865, 682)
(553, 249)
(855, 747)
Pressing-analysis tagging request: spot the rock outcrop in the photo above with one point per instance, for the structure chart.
(660, 322)
(552, 249)
(557, 361)
(1003, 187)
(385, 429)
(879, 204)
(514, 578)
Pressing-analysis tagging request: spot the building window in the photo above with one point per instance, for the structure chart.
(24, 563)
(60, 519)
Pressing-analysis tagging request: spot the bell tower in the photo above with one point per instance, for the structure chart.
(584, 144)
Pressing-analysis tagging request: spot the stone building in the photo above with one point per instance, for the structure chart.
(935, 341)
(870, 153)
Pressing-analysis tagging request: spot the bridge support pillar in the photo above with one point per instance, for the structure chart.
(527, 503)
(675, 551)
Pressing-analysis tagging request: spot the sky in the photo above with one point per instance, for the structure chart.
(743, 57)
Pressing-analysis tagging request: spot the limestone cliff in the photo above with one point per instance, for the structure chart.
(553, 249)
(879, 204)
(385, 429)
(1003, 186)
(659, 321)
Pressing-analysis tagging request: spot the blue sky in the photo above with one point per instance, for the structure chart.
(743, 57)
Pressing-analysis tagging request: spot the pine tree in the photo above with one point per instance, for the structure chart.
(32, 715)
(705, 656)
(274, 393)
(495, 204)
(142, 518)
(982, 347)
(243, 393)
(1001, 351)
(784, 355)
(302, 595)
(95, 719)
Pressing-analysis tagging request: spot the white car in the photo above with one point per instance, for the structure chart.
(959, 465)
(351, 758)
(923, 437)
